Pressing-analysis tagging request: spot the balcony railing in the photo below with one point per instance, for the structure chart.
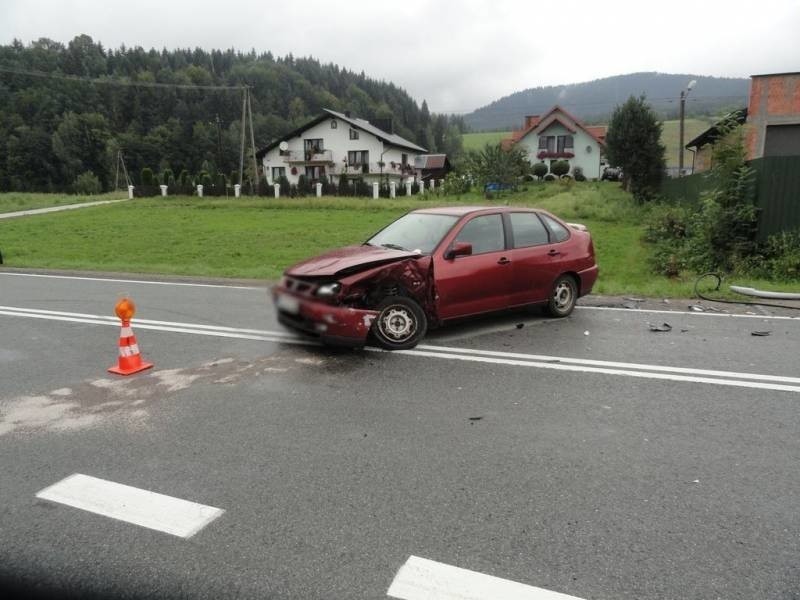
(309, 156)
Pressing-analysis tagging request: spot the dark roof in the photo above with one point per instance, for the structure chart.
(362, 124)
(710, 135)
(431, 161)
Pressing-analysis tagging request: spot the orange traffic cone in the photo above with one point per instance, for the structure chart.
(130, 361)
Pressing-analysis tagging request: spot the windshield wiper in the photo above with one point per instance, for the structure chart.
(394, 247)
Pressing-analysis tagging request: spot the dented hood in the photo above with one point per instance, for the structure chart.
(349, 258)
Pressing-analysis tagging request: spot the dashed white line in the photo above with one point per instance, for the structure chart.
(423, 579)
(132, 505)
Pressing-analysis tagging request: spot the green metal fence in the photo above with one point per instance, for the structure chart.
(777, 187)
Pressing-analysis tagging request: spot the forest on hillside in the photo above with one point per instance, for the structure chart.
(66, 110)
(594, 101)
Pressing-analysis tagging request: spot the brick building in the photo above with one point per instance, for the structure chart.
(773, 115)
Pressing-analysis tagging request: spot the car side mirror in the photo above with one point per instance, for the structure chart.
(459, 249)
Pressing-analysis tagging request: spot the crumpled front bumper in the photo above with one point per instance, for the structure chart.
(332, 324)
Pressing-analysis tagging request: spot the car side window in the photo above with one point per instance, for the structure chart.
(485, 233)
(560, 233)
(528, 230)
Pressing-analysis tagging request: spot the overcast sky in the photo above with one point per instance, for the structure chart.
(459, 55)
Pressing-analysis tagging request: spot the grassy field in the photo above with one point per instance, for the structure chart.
(669, 137)
(258, 238)
(476, 141)
(15, 201)
(670, 134)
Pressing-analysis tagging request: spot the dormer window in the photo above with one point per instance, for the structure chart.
(353, 134)
(334, 124)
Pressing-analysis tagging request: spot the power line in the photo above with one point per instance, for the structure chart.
(118, 82)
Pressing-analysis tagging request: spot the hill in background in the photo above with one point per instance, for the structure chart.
(594, 101)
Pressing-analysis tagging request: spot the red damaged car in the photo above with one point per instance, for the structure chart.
(435, 265)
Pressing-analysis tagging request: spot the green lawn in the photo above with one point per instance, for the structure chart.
(476, 141)
(14, 201)
(670, 134)
(259, 238)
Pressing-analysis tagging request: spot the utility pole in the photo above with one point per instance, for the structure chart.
(253, 144)
(684, 94)
(241, 151)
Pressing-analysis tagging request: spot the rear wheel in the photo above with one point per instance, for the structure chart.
(563, 297)
(400, 323)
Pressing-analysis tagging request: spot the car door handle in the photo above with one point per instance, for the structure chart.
(503, 261)
(553, 253)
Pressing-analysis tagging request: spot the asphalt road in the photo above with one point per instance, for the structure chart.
(588, 456)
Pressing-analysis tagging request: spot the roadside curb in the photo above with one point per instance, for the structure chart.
(160, 277)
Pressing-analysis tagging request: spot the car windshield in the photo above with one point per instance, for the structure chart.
(414, 231)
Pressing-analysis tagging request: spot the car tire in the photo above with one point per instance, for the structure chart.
(563, 296)
(401, 323)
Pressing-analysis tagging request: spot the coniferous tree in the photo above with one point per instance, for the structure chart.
(633, 142)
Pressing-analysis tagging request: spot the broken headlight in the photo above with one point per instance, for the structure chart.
(328, 290)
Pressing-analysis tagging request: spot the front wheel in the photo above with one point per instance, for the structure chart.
(563, 298)
(400, 323)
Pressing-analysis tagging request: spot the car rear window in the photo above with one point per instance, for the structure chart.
(560, 233)
(528, 230)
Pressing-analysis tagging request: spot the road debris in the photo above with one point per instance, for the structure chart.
(634, 299)
(475, 418)
(663, 327)
(520, 325)
(760, 333)
(586, 332)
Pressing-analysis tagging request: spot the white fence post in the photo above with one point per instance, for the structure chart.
(433, 183)
(237, 190)
(408, 188)
(421, 187)
(392, 192)
(130, 192)
(319, 190)
(199, 191)
(163, 191)
(277, 188)
(374, 190)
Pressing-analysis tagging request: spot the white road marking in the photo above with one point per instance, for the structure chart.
(51, 209)
(104, 279)
(608, 363)
(423, 579)
(687, 312)
(587, 369)
(558, 363)
(132, 505)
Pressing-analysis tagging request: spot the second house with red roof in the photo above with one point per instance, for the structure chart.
(557, 135)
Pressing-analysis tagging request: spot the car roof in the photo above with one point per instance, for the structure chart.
(466, 210)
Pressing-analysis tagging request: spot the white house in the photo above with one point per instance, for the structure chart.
(557, 135)
(338, 145)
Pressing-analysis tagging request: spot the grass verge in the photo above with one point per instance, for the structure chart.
(259, 238)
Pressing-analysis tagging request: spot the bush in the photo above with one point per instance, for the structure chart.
(149, 184)
(283, 181)
(549, 177)
(87, 184)
(577, 172)
(455, 185)
(540, 170)
(559, 168)
(207, 183)
(781, 256)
